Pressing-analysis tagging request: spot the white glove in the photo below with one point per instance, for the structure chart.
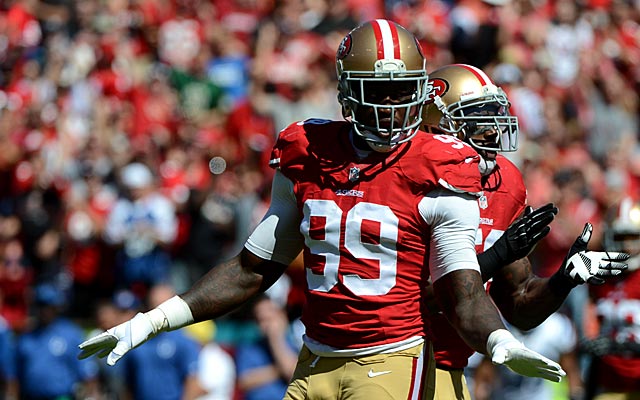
(583, 265)
(117, 341)
(504, 349)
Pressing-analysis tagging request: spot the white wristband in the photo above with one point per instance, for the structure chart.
(499, 337)
(172, 314)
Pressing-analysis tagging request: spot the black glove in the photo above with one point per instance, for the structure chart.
(602, 346)
(581, 265)
(518, 240)
(598, 347)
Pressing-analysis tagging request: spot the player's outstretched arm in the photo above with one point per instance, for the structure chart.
(221, 290)
(526, 300)
(464, 301)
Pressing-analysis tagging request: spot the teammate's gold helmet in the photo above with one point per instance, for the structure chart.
(464, 102)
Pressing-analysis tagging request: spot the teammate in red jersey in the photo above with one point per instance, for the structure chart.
(377, 209)
(465, 104)
(615, 363)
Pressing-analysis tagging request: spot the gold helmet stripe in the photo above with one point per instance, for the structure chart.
(387, 41)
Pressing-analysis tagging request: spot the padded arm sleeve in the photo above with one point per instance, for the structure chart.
(454, 219)
(278, 236)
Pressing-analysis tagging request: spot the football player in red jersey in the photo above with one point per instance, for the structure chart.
(614, 371)
(463, 103)
(377, 209)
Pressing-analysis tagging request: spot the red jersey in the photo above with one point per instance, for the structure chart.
(365, 241)
(618, 310)
(503, 201)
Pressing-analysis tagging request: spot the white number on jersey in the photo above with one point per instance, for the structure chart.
(455, 142)
(494, 234)
(329, 246)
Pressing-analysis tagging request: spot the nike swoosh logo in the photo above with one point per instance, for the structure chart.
(372, 374)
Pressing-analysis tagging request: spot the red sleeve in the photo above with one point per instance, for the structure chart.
(311, 149)
(513, 182)
(448, 162)
(290, 149)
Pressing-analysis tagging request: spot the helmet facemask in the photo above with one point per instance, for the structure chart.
(385, 108)
(483, 122)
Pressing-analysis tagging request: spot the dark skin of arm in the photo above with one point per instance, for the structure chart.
(231, 284)
(461, 296)
(524, 299)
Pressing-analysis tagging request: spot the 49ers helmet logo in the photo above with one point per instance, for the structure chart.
(344, 48)
(436, 87)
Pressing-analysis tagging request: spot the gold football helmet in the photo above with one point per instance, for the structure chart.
(622, 228)
(382, 82)
(463, 101)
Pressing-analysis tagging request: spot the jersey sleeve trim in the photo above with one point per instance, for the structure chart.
(454, 189)
(274, 162)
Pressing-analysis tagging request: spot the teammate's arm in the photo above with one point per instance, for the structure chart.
(517, 292)
(526, 300)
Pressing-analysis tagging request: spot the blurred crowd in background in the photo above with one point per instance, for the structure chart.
(134, 146)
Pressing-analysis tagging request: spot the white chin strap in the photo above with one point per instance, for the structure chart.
(486, 166)
(379, 147)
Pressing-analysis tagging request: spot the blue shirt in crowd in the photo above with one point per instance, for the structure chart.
(46, 361)
(158, 370)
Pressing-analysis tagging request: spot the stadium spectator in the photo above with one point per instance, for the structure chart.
(614, 345)
(88, 201)
(167, 369)
(216, 367)
(16, 277)
(120, 307)
(8, 383)
(266, 366)
(45, 361)
(142, 224)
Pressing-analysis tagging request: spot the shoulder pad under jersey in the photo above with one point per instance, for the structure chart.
(290, 140)
(443, 160)
(306, 145)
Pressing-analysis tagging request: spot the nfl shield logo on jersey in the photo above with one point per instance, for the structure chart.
(482, 202)
(354, 174)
